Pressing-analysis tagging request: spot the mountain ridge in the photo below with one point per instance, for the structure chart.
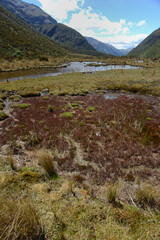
(149, 47)
(14, 43)
(64, 35)
(29, 13)
(40, 20)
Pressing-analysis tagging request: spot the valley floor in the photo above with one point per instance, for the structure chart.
(84, 160)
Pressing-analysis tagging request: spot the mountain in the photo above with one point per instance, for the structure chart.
(107, 48)
(66, 36)
(149, 47)
(47, 25)
(18, 39)
(104, 47)
(125, 51)
(29, 13)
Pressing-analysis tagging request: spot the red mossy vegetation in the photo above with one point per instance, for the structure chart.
(119, 134)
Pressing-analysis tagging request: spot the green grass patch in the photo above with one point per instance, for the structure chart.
(66, 115)
(74, 105)
(91, 109)
(23, 105)
(45, 98)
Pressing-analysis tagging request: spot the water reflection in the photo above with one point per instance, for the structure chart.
(72, 67)
(109, 96)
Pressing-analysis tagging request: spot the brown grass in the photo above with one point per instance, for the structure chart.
(19, 220)
(45, 159)
(146, 196)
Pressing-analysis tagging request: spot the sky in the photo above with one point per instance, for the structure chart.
(121, 23)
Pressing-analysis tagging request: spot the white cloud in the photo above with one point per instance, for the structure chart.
(59, 8)
(87, 19)
(139, 24)
(89, 23)
(124, 41)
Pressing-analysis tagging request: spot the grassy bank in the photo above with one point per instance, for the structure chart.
(141, 80)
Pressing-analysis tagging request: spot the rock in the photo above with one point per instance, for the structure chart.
(87, 72)
(44, 92)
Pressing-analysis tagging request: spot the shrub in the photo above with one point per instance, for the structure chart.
(19, 220)
(25, 93)
(46, 161)
(43, 59)
(67, 115)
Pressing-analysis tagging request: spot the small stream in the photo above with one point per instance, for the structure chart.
(72, 67)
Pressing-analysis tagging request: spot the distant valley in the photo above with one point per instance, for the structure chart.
(107, 48)
(46, 32)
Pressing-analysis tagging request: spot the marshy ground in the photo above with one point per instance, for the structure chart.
(105, 146)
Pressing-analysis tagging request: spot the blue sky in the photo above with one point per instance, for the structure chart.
(122, 23)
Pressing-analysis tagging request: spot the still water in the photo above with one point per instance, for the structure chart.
(72, 67)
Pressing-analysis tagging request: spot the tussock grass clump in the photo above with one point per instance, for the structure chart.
(19, 220)
(15, 98)
(11, 162)
(45, 159)
(112, 191)
(146, 196)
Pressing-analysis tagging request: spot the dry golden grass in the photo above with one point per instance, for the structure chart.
(45, 159)
(146, 195)
(11, 161)
(19, 220)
